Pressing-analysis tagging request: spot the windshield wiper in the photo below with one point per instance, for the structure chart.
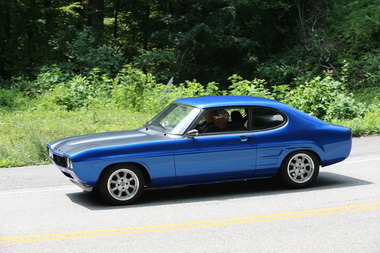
(147, 124)
(162, 127)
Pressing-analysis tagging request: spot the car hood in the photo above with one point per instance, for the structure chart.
(77, 144)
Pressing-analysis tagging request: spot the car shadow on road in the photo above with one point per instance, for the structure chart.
(217, 192)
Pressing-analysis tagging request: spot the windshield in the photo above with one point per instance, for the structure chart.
(175, 118)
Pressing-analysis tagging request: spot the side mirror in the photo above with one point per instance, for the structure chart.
(192, 133)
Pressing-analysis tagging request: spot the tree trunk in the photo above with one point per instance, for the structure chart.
(95, 14)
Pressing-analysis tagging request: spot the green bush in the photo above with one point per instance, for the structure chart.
(243, 87)
(356, 26)
(130, 86)
(49, 77)
(138, 91)
(324, 98)
(366, 125)
(277, 73)
(10, 99)
(80, 91)
(72, 105)
(87, 50)
(158, 61)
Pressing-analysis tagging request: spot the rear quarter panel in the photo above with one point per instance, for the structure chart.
(301, 132)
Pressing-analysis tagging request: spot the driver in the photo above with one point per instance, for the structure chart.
(209, 121)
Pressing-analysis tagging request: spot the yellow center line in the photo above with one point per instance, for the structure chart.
(188, 225)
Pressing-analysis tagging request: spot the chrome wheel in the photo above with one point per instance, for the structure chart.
(123, 184)
(300, 168)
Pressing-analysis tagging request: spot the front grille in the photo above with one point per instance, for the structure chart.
(61, 161)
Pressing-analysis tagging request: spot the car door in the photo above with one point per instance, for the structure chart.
(217, 155)
(215, 158)
(271, 139)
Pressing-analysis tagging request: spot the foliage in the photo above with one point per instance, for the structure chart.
(81, 104)
(242, 87)
(369, 124)
(277, 73)
(140, 92)
(218, 38)
(277, 40)
(88, 50)
(359, 24)
(368, 96)
(70, 58)
(130, 87)
(46, 79)
(158, 61)
(80, 90)
(10, 99)
(324, 98)
(356, 30)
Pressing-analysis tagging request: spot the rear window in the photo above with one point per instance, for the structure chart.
(266, 118)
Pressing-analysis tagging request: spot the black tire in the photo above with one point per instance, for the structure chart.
(122, 184)
(299, 169)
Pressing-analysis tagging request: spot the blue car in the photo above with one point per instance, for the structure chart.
(203, 140)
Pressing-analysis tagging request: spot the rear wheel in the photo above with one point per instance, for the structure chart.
(299, 169)
(122, 184)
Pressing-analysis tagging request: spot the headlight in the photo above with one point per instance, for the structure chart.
(69, 163)
(51, 155)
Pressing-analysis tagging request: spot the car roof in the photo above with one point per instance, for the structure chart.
(222, 101)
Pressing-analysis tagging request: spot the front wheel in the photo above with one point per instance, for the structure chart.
(122, 184)
(299, 169)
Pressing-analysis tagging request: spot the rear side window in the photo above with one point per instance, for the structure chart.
(266, 118)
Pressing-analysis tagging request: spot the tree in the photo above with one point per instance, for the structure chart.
(95, 14)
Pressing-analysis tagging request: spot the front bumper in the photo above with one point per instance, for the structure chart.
(62, 165)
(73, 178)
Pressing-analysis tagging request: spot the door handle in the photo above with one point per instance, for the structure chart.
(245, 138)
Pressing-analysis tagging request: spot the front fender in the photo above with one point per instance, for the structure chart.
(156, 158)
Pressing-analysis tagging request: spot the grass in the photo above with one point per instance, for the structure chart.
(24, 134)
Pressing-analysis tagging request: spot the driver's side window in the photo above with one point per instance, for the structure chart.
(223, 120)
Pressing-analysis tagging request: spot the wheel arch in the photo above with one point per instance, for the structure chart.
(297, 179)
(137, 165)
(302, 150)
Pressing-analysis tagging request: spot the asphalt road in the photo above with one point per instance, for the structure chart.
(41, 211)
